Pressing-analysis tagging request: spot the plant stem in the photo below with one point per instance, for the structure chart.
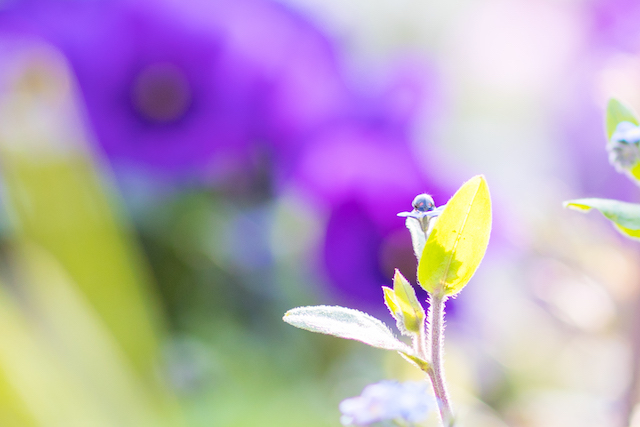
(436, 372)
(419, 342)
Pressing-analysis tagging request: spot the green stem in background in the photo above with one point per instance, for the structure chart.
(436, 371)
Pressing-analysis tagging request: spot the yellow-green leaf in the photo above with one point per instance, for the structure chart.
(635, 172)
(617, 112)
(459, 240)
(412, 311)
(390, 302)
(416, 361)
(624, 216)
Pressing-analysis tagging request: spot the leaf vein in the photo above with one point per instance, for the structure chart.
(458, 237)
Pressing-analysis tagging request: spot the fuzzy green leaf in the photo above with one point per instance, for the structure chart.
(412, 312)
(345, 323)
(625, 216)
(390, 302)
(458, 241)
(416, 361)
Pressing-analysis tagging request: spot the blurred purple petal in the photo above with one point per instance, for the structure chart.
(363, 177)
(614, 23)
(184, 87)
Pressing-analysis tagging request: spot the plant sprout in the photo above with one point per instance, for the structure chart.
(449, 242)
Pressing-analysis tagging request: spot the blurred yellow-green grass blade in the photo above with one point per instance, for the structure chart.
(72, 331)
(36, 381)
(57, 200)
(13, 410)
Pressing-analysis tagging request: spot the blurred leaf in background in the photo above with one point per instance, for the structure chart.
(261, 150)
(211, 115)
(86, 304)
(79, 306)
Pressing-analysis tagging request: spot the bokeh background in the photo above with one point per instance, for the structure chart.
(175, 175)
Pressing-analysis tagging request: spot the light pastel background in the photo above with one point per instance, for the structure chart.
(176, 175)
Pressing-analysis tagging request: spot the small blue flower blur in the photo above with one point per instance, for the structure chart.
(626, 132)
(388, 400)
(623, 148)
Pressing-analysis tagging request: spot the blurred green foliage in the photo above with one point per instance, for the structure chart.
(165, 318)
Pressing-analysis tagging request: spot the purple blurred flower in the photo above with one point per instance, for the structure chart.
(614, 23)
(362, 176)
(157, 91)
(181, 86)
(388, 400)
(299, 83)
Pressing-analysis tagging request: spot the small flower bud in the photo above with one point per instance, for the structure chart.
(623, 149)
(420, 220)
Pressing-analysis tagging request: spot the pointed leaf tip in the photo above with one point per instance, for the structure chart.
(625, 216)
(390, 302)
(405, 296)
(576, 206)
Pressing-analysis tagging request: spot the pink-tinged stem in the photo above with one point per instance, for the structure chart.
(436, 372)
